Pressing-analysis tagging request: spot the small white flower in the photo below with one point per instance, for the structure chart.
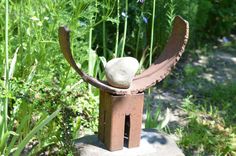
(124, 14)
(34, 18)
(39, 23)
(46, 18)
(141, 1)
(28, 31)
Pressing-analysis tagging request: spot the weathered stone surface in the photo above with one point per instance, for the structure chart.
(152, 144)
(121, 71)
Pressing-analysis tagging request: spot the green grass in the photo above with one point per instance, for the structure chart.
(224, 98)
(211, 128)
(38, 81)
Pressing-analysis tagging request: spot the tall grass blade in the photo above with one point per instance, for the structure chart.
(157, 113)
(32, 73)
(103, 60)
(90, 61)
(148, 118)
(119, 49)
(34, 131)
(117, 28)
(152, 32)
(4, 109)
(143, 58)
(3, 142)
(166, 120)
(104, 32)
(125, 27)
(14, 138)
(13, 64)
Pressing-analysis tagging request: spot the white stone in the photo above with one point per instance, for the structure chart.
(121, 71)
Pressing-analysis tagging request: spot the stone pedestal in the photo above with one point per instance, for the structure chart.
(152, 144)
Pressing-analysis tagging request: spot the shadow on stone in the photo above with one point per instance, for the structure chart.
(152, 143)
(91, 140)
(152, 137)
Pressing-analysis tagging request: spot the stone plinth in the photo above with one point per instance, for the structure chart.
(152, 144)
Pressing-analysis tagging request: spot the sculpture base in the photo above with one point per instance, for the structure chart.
(120, 120)
(152, 144)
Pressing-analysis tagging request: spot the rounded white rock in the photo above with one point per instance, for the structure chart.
(121, 71)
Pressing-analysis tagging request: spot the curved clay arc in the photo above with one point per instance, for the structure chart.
(155, 73)
(64, 40)
(167, 60)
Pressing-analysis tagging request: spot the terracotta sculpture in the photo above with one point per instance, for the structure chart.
(120, 110)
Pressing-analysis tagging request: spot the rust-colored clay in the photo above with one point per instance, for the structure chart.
(155, 73)
(120, 110)
(113, 110)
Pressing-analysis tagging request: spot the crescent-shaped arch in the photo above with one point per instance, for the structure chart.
(149, 77)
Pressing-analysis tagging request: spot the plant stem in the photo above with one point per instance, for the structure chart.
(125, 27)
(152, 33)
(117, 27)
(138, 37)
(6, 81)
(137, 42)
(103, 19)
(90, 57)
(104, 32)
(21, 36)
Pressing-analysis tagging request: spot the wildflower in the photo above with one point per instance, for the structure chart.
(124, 14)
(39, 23)
(141, 1)
(145, 19)
(82, 24)
(34, 18)
(225, 40)
(37, 96)
(46, 18)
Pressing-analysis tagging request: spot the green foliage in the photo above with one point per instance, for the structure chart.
(210, 131)
(209, 126)
(221, 18)
(191, 71)
(30, 135)
(156, 119)
(165, 16)
(79, 113)
(223, 97)
(135, 37)
(204, 8)
(21, 127)
(36, 81)
(209, 19)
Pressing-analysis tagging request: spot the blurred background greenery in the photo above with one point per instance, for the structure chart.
(36, 80)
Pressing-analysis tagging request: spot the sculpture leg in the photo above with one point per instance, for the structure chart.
(135, 130)
(102, 115)
(113, 111)
(114, 130)
(111, 122)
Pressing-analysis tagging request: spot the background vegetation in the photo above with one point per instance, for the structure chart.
(45, 105)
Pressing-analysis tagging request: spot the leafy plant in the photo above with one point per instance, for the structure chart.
(30, 135)
(223, 97)
(206, 133)
(36, 81)
(157, 120)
